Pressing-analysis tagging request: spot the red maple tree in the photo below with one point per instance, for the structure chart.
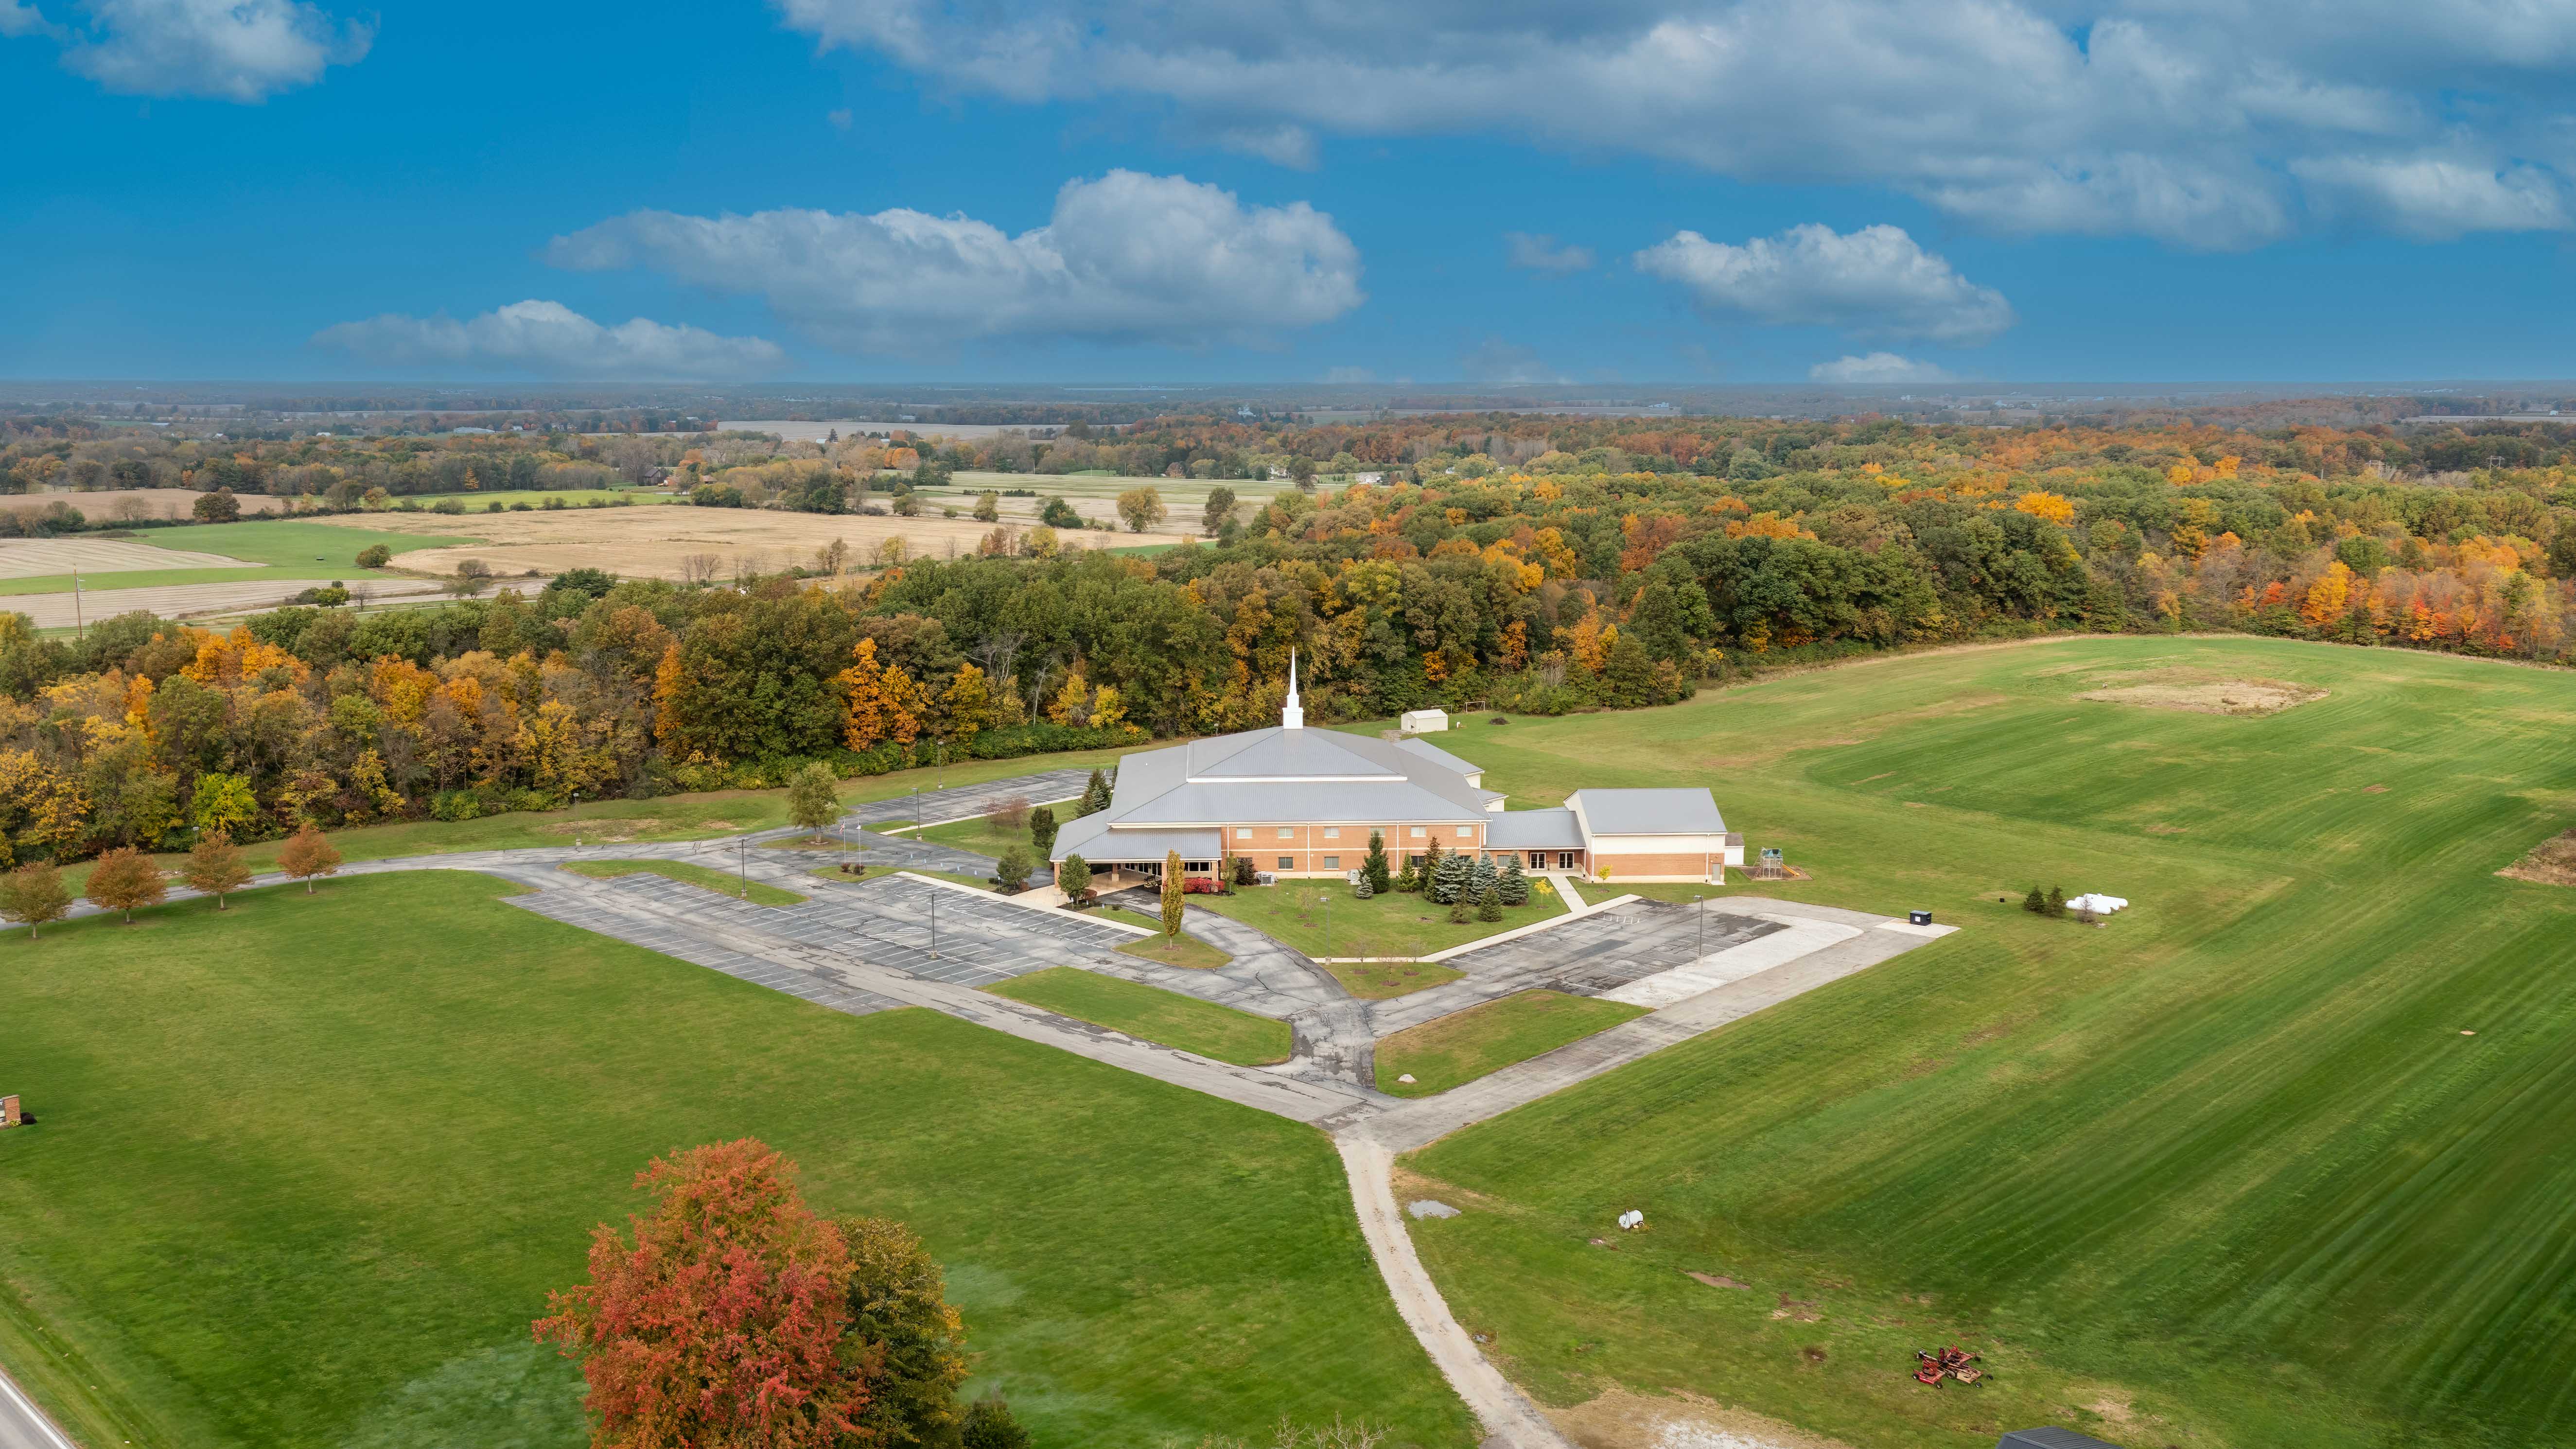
(719, 1326)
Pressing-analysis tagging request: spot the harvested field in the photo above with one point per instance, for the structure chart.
(128, 505)
(683, 542)
(27, 558)
(2551, 862)
(2204, 694)
(180, 601)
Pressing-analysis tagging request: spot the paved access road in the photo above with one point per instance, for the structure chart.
(891, 940)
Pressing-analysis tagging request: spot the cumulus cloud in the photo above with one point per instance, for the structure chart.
(1541, 254)
(553, 340)
(2436, 198)
(1128, 257)
(233, 50)
(1878, 367)
(2197, 121)
(1874, 282)
(1289, 146)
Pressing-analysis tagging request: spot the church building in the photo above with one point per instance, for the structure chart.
(1301, 802)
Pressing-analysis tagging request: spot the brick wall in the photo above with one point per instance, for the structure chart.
(1691, 866)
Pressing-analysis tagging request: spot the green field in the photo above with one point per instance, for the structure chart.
(284, 549)
(1464, 1045)
(986, 836)
(696, 875)
(306, 1169)
(1150, 1013)
(2225, 1171)
(1393, 924)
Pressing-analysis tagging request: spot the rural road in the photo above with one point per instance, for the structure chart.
(907, 940)
(23, 1425)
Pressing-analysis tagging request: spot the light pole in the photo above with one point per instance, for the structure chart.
(1327, 898)
(1699, 919)
(576, 820)
(934, 921)
(741, 875)
(916, 810)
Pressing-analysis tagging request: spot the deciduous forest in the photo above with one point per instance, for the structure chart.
(1529, 564)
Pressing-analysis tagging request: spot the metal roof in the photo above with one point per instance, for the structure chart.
(1101, 845)
(1649, 812)
(1281, 774)
(1534, 830)
(2049, 1436)
(1415, 744)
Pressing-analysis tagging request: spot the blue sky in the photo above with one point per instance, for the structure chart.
(1068, 190)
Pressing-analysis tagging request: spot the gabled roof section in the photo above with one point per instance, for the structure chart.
(1534, 830)
(1649, 812)
(1417, 745)
(1282, 754)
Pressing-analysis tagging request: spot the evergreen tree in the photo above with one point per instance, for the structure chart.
(2036, 903)
(1459, 915)
(1042, 829)
(1451, 880)
(1483, 877)
(1429, 873)
(2056, 901)
(1489, 907)
(1095, 796)
(1511, 885)
(1373, 871)
(1171, 896)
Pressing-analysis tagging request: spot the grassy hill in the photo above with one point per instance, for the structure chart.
(2224, 1171)
(303, 1180)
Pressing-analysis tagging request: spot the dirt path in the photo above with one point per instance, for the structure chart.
(176, 601)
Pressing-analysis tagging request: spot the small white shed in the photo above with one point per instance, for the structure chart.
(1423, 721)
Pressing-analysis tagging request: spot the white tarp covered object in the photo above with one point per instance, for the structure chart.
(2100, 905)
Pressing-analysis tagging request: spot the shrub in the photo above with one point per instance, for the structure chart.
(1011, 872)
(1490, 908)
(456, 805)
(1458, 914)
(374, 556)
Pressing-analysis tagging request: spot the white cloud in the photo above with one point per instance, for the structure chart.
(551, 339)
(1505, 364)
(20, 18)
(1128, 257)
(1541, 254)
(1874, 282)
(2197, 121)
(1289, 146)
(2434, 198)
(1878, 367)
(233, 50)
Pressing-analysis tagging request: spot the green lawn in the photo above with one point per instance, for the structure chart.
(1393, 924)
(1152, 1014)
(1465, 1045)
(2227, 1167)
(306, 1169)
(671, 817)
(986, 836)
(1379, 980)
(1181, 950)
(696, 875)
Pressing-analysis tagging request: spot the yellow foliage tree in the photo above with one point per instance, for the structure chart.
(2053, 507)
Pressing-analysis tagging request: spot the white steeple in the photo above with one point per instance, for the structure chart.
(1294, 716)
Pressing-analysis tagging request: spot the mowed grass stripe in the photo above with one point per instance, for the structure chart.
(2228, 1156)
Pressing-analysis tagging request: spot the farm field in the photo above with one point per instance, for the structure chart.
(1393, 924)
(210, 567)
(323, 1182)
(1464, 1045)
(131, 505)
(673, 542)
(2229, 1170)
(1150, 1013)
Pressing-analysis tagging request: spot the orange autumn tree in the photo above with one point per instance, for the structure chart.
(720, 1324)
(738, 1318)
(880, 701)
